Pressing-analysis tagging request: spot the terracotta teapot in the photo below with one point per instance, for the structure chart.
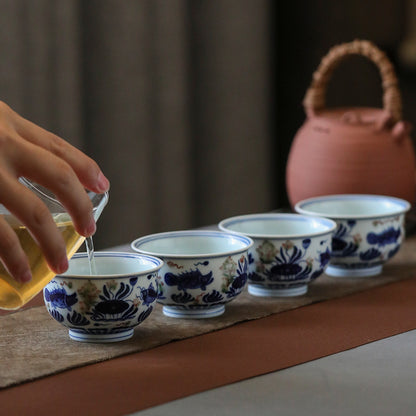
(352, 150)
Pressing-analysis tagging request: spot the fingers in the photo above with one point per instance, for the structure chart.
(30, 151)
(33, 213)
(87, 170)
(12, 255)
(55, 174)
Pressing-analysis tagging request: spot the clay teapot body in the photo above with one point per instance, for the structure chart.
(352, 150)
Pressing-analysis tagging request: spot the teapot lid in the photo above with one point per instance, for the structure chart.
(356, 116)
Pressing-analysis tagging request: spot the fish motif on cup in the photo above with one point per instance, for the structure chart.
(385, 237)
(60, 299)
(192, 279)
(149, 295)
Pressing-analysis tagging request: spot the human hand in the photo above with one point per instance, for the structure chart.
(30, 151)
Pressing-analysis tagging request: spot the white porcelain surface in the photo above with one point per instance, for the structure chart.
(104, 307)
(189, 244)
(370, 230)
(259, 290)
(289, 251)
(203, 270)
(354, 206)
(111, 265)
(276, 225)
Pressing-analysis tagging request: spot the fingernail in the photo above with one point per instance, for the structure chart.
(91, 228)
(103, 183)
(62, 266)
(25, 277)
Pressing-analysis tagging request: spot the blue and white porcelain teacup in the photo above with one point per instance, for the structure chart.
(370, 230)
(203, 270)
(289, 250)
(107, 305)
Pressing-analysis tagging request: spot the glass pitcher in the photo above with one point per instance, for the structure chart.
(13, 294)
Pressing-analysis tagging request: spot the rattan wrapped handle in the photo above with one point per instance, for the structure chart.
(314, 100)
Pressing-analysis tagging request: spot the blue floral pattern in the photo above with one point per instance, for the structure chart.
(95, 307)
(288, 264)
(114, 305)
(344, 241)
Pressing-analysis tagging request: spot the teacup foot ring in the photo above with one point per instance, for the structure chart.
(100, 338)
(343, 272)
(257, 290)
(208, 312)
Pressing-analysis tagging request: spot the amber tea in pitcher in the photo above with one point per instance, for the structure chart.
(14, 294)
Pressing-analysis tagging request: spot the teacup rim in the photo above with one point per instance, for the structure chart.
(203, 233)
(156, 260)
(405, 206)
(281, 216)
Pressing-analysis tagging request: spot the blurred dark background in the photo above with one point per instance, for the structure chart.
(190, 106)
